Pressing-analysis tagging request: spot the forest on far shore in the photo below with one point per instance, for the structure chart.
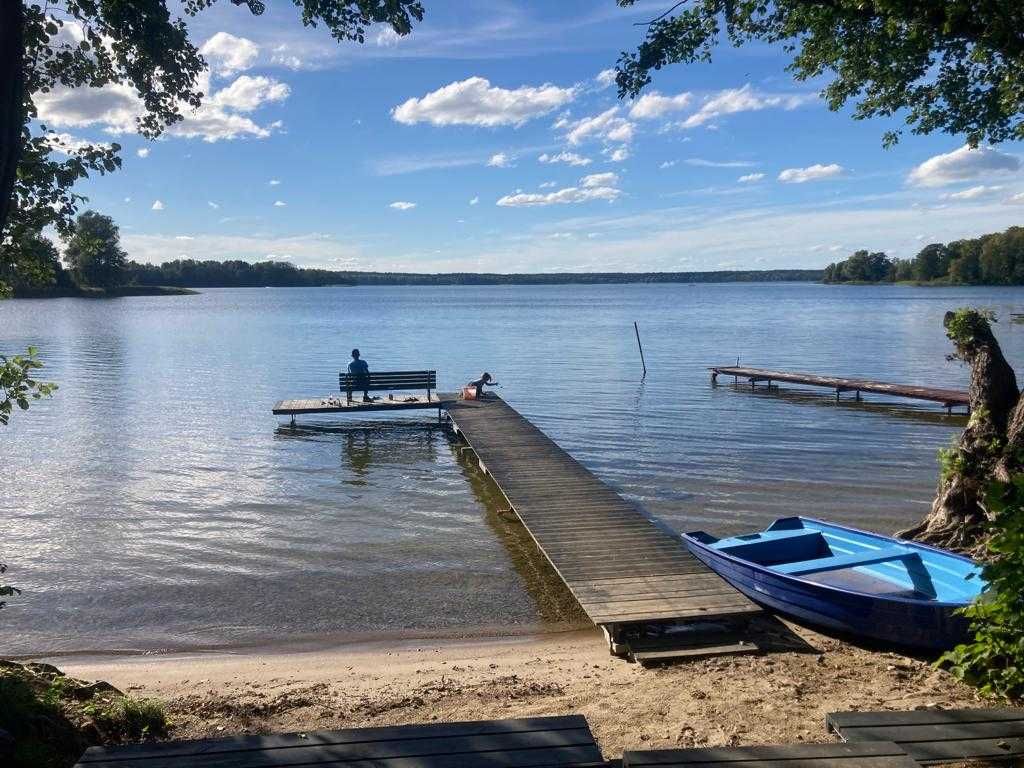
(994, 259)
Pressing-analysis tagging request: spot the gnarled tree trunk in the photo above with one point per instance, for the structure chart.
(990, 447)
(12, 99)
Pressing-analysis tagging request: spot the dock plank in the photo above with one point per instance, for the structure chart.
(864, 755)
(620, 565)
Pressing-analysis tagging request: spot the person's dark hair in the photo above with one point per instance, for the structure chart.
(355, 353)
(486, 376)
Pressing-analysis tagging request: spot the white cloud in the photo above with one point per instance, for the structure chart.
(283, 57)
(474, 200)
(653, 105)
(500, 160)
(142, 152)
(402, 205)
(228, 55)
(114, 106)
(745, 99)
(1017, 199)
(973, 193)
(816, 172)
(66, 144)
(388, 38)
(274, 182)
(184, 237)
(667, 164)
(608, 125)
(750, 178)
(248, 93)
(963, 164)
(616, 155)
(213, 205)
(475, 101)
(158, 205)
(116, 109)
(605, 78)
(596, 186)
(280, 203)
(548, 184)
(569, 158)
(600, 180)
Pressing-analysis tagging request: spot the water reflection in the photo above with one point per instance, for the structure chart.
(906, 411)
(555, 604)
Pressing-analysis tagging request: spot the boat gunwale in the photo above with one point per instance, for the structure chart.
(689, 540)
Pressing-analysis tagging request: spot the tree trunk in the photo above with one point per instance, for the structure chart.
(12, 99)
(990, 446)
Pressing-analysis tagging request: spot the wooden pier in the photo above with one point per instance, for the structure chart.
(339, 405)
(949, 398)
(623, 567)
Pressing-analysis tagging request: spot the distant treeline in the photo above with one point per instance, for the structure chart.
(188, 273)
(996, 259)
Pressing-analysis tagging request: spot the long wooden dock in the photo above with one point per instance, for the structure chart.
(949, 398)
(623, 567)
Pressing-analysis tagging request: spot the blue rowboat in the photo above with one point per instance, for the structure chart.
(876, 587)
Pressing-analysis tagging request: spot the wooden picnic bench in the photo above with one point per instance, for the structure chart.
(387, 381)
(938, 736)
(861, 755)
(538, 742)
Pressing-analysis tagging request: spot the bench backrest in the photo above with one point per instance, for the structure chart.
(389, 380)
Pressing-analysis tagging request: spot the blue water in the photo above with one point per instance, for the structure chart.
(155, 503)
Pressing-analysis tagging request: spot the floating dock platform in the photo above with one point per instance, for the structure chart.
(949, 398)
(335, 404)
(625, 569)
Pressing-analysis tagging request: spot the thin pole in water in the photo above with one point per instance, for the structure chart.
(641, 346)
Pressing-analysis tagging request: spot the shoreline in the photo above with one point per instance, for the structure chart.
(781, 696)
(304, 644)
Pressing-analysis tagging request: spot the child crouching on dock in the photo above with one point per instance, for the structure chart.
(475, 389)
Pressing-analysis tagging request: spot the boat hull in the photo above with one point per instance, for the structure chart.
(901, 622)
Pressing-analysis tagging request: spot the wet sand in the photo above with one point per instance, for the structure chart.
(781, 696)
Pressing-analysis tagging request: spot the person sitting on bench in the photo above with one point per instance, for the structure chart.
(485, 380)
(360, 372)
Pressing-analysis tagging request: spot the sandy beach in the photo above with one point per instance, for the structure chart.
(780, 696)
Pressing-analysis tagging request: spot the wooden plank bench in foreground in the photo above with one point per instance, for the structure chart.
(949, 398)
(938, 736)
(621, 566)
(883, 754)
(540, 742)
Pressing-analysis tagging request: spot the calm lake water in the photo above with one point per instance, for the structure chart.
(156, 504)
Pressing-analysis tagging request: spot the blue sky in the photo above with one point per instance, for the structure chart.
(489, 140)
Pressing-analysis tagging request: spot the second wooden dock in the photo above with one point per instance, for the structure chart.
(948, 397)
(622, 566)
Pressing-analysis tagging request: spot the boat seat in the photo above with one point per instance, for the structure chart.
(754, 538)
(837, 562)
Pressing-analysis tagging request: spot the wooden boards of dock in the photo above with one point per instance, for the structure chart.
(949, 398)
(624, 568)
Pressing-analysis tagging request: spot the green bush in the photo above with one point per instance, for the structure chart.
(994, 659)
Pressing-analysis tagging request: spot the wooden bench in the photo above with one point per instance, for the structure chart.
(555, 742)
(388, 381)
(864, 755)
(938, 736)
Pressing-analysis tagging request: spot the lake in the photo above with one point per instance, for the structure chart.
(156, 504)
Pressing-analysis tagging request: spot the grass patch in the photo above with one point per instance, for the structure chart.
(49, 719)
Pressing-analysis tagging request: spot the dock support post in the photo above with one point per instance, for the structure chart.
(293, 420)
(837, 394)
(858, 395)
(714, 377)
